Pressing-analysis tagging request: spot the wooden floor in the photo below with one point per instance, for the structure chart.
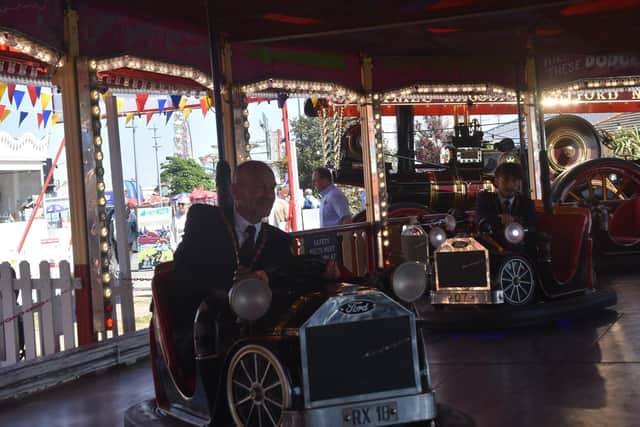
(576, 372)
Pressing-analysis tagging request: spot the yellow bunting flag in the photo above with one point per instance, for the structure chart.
(3, 88)
(54, 119)
(119, 104)
(45, 97)
(182, 103)
(187, 113)
(4, 115)
(128, 119)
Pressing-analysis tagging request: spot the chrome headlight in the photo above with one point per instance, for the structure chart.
(437, 236)
(514, 233)
(409, 281)
(450, 222)
(250, 298)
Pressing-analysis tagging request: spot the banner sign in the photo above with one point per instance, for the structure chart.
(154, 228)
(562, 69)
(322, 245)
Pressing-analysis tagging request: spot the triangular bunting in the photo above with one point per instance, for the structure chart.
(12, 88)
(45, 116)
(149, 116)
(169, 114)
(119, 104)
(18, 95)
(32, 94)
(4, 115)
(182, 103)
(205, 104)
(3, 88)
(141, 99)
(39, 119)
(187, 113)
(128, 119)
(54, 119)
(23, 115)
(2, 107)
(175, 100)
(38, 91)
(45, 97)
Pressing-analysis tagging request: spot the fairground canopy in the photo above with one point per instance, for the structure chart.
(409, 41)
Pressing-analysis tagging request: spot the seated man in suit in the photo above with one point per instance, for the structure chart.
(495, 210)
(218, 246)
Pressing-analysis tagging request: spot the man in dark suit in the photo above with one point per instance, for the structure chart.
(495, 210)
(218, 247)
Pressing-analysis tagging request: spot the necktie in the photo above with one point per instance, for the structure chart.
(248, 247)
(507, 206)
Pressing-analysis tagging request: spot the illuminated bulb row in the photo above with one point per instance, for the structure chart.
(94, 98)
(30, 48)
(330, 90)
(155, 67)
(418, 90)
(379, 150)
(245, 125)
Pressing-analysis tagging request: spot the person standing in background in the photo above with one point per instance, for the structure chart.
(281, 208)
(182, 208)
(334, 206)
(310, 202)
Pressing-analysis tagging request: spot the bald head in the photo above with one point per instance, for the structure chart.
(253, 190)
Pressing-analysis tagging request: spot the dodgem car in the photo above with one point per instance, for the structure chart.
(342, 355)
(469, 267)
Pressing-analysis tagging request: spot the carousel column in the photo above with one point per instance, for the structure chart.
(530, 112)
(373, 166)
(239, 112)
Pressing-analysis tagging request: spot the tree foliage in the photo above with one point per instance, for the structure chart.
(184, 175)
(308, 135)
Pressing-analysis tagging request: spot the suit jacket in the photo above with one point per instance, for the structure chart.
(205, 261)
(488, 207)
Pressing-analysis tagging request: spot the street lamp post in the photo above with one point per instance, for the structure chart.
(155, 147)
(135, 160)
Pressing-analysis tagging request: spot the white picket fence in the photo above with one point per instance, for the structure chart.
(47, 312)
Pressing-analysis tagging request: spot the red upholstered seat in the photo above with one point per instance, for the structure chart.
(624, 224)
(567, 228)
(162, 286)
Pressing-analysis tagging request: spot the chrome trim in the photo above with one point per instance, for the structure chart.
(177, 412)
(160, 340)
(329, 314)
(416, 407)
(470, 297)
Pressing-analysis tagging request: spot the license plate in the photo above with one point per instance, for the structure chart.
(370, 415)
(466, 298)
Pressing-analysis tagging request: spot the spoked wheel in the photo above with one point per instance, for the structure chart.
(257, 388)
(600, 181)
(517, 281)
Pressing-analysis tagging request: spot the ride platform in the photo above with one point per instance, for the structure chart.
(479, 317)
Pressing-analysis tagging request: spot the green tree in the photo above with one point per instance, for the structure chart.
(184, 175)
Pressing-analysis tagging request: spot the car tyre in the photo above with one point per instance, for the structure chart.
(517, 280)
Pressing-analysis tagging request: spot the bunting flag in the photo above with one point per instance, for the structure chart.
(45, 97)
(54, 119)
(149, 116)
(38, 91)
(4, 115)
(182, 103)
(141, 99)
(187, 113)
(18, 95)
(119, 104)
(39, 119)
(3, 88)
(23, 115)
(45, 116)
(128, 119)
(175, 100)
(169, 114)
(32, 94)
(161, 103)
(2, 107)
(205, 104)
(12, 88)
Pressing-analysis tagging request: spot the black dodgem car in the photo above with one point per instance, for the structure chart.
(343, 355)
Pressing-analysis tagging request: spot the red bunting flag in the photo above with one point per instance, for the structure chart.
(2, 107)
(11, 88)
(149, 116)
(205, 104)
(39, 119)
(33, 95)
(141, 99)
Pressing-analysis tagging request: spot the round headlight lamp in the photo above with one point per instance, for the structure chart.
(514, 233)
(250, 298)
(450, 222)
(409, 281)
(437, 236)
